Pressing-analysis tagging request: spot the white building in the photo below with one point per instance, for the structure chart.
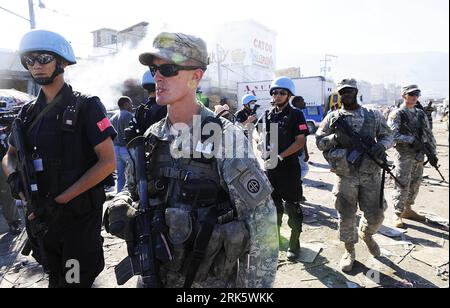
(109, 41)
(132, 35)
(379, 94)
(13, 74)
(365, 92)
(242, 51)
(394, 93)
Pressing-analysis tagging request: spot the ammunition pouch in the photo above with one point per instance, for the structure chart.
(337, 159)
(199, 193)
(180, 223)
(355, 157)
(225, 240)
(236, 242)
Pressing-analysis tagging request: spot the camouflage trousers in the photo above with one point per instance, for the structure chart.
(409, 171)
(7, 203)
(363, 190)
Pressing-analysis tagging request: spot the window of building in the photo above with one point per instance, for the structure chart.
(99, 38)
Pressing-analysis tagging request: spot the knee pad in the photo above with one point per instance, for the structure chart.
(295, 213)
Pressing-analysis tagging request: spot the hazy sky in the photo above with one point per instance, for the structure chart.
(319, 26)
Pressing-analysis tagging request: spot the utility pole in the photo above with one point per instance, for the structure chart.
(32, 17)
(325, 67)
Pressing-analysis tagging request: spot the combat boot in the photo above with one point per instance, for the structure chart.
(348, 259)
(408, 213)
(397, 221)
(374, 249)
(294, 246)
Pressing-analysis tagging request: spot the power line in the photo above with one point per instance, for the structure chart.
(43, 6)
(248, 76)
(326, 61)
(14, 14)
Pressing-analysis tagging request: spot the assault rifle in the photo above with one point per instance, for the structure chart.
(150, 247)
(25, 167)
(426, 149)
(361, 146)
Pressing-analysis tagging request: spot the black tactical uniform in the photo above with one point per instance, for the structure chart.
(243, 114)
(145, 116)
(285, 178)
(149, 114)
(66, 149)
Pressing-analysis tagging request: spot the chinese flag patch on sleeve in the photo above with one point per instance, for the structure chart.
(103, 124)
(303, 127)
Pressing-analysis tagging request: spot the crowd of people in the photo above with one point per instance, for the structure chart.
(193, 203)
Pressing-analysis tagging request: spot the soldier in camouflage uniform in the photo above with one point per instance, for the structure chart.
(355, 184)
(409, 159)
(203, 184)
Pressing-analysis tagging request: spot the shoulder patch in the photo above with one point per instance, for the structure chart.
(104, 125)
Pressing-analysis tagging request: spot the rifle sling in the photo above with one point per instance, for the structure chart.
(200, 246)
(383, 182)
(45, 111)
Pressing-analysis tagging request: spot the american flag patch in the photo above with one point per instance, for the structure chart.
(303, 127)
(104, 124)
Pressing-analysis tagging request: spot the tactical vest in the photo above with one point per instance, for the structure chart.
(369, 130)
(141, 118)
(69, 161)
(337, 157)
(203, 229)
(284, 131)
(416, 122)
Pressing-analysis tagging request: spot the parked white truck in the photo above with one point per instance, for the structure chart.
(315, 90)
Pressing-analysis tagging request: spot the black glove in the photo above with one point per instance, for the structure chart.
(433, 161)
(15, 184)
(378, 151)
(343, 140)
(417, 145)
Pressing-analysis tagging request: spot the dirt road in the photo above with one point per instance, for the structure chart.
(417, 258)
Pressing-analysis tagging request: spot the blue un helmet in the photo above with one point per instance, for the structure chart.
(283, 83)
(46, 41)
(148, 82)
(247, 99)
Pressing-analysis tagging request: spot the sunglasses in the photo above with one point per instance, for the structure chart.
(170, 70)
(280, 93)
(415, 93)
(346, 91)
(41, 59)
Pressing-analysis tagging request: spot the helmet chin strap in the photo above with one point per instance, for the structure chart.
(45, 81)
(284, 105)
